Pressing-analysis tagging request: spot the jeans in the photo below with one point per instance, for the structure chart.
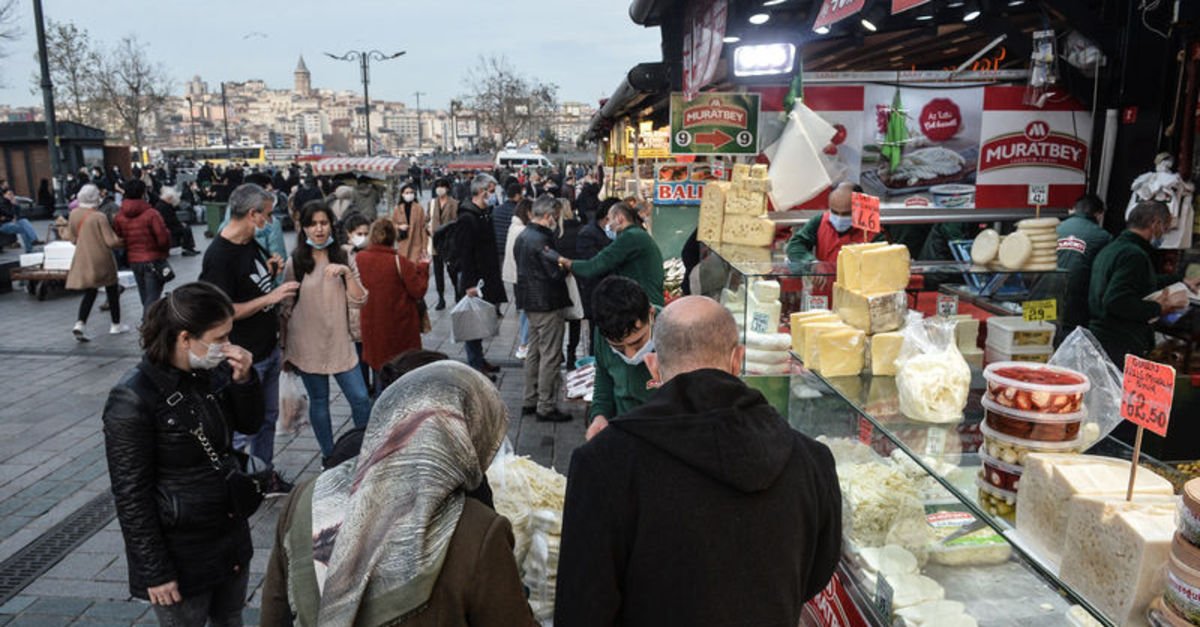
(262, 444)
(113, 292)
(523, 333)
(353, 387)
(366, 370)
(149, 284)
(23, 229)
(219, 607)
(474, 350)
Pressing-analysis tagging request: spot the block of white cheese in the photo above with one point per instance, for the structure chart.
(745, 203)
(849, 264)
(766, 291)
(874, 313)
(758, 186)
(758, 171)
(767, 357)
(884, 269)
(910, 590)
(941, 613)
(1114, 552)
(841, 352)
(966, 331)
(973, 356)
(1049, 481)
(798, 326)
(741, 171)
(889, 560)
(763, 317)
(712, 212)
(748, 230)
(811, 332)
(885, 347)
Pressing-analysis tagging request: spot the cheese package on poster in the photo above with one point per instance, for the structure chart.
(756, 186)
(849, 264)
(877, 313)
(841, 352)
(745, 203)
(884, 269)
(712, 212)
(1115, 550)
(811, 332)
(741, 171)
(748, 230)
(798, 328)
(885, 348)
(1049, 481)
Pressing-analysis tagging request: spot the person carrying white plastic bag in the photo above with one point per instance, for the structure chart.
(473, 318)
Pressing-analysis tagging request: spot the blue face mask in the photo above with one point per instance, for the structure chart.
(1157, 242)
(608, 230)
(638, 357)
(841, 224)
(318, 246)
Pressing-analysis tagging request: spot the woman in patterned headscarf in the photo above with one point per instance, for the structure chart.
(391, 535)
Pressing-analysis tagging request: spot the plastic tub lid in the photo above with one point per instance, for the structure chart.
(990, 373)
(1001, 466)
(1036, 445)
(1191, 496)
(1018, 323)
(993, 490)
(1025, 349)
(1036, 416)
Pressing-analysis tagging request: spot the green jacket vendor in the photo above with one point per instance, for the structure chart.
(821, 239)
(622, 318)
(1080, 240)
(633, 254)
(1123, 275)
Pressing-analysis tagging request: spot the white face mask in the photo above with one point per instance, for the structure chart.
(441, 191)
(358, 240)
(210, 360)
(409, 197)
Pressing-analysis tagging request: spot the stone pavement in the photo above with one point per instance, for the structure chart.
(55, 505)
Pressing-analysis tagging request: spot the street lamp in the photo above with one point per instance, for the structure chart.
(364, 58)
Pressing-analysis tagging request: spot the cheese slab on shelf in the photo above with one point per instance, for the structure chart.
(885, 348)
(766, 291)
(884, 269)
(745, 203)
(813, 331)
(757, 186)
(849, 264)
(966, 332)
(877, 313)
(758, 171)
(841, 352)
(748, 230)
(712, 212)
(799, 325)
(741, 171)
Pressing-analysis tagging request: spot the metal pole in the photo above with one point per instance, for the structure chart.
(365, 60)
(48, 106)
(192, 124)
(420, 131)
(225, 118)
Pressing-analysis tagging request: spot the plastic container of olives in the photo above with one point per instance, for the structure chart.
(1036, 387)
(1001, 475)
(997, 502)
(1027, 425)
(1013, 451)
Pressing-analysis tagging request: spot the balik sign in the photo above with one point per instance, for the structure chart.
(1037, 146)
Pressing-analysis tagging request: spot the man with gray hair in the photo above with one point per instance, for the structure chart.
(702, 506)
(181, 234)
(238, 264)
(475, 259)
(542, 294)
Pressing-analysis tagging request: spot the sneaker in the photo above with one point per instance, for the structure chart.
(522, 352)
(528, 410)
(554, 416)
(117, 329)
(78, 331)
(190, 252)
(277, 487)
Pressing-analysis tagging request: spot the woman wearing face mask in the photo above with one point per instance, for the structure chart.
(164, 423)
(357, 228)
(317, 342)
(632, 254)
(409, 218)
(442, 211)
(391, 320)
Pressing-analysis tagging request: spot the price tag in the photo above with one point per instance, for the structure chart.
(812, 302)
(947, 305)
(1040, 310)
(883, 595)
(760, 322)
(1146, 394)
(1039, 194)
(865, 212)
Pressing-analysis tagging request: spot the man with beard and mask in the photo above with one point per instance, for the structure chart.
(822, 238)
(683, 509)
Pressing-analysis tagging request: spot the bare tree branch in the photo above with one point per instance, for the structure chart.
(9, 31)
(133, 87)
(74, 65)
(508, 104)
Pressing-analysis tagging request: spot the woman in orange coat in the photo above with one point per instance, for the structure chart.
(390, 319)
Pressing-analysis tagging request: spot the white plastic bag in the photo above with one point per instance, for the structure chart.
(574, 311)
(932, 377)
(293, 403)
(473, 319)
(1081, 352)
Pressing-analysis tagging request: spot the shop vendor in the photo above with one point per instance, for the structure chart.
(821, 239)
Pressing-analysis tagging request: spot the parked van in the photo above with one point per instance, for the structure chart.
(517, 160)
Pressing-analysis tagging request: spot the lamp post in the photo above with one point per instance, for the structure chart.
(225, 118)
(48, 106)
(364, 58)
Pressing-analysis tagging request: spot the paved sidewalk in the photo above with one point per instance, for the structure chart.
(52, 466)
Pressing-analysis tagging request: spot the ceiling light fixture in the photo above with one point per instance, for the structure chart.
(821, 30)
(771, 3)
(731, 39)
(971, 12)
(872, 18)
(764, 59)
(760, 18)
(1015, 3)
(925, 13)
(954, 4)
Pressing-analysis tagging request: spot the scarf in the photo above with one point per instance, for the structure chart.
(382, 522)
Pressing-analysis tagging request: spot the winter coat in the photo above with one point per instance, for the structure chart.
(340, 202)
(141, 226)
(366, 200)
(93, 265)
(633, 255)
(591, 240)
(171, 219)
(172, 504)
(441, 212)
(1122, 276)
(390, 321)
(508, 267)
(416, 244)
(701, 507)
(543, 286)
(503, 216)
(475, 247)
(1080, 240)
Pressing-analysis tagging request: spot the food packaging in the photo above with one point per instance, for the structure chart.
(932, 378)
(1006, 332)
(29, 260)
(1161, 615)
(1035, 387)
(978, 548)
(1044, 427)
(1012, 450)
(997, 502)
(1189, 513)
(1183, 580)
(1025, 354)
(1001, 475)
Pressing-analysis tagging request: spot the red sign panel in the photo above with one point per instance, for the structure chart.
(865, 212)
(899, 6)
(833, 607)
(1147, 394)
(833, 11)
(702, 44)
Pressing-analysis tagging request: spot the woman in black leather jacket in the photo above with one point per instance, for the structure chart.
(188, 553)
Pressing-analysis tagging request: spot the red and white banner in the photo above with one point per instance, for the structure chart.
(833, 11)
(899, 6)
(702, 44)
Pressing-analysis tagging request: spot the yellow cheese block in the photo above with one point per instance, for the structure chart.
(885, 347)
(760, 186)
(812, 331)
(849, 264)
(841, 352)
(966, 332)
(876, 313)
(884, 269)
(798, 327)
(741, 171)
(748, 230)
(712, 211)
(745, 203)
(758, 171)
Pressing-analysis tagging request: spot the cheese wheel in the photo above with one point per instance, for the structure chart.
(1041, 237)
(1015, 251)
(1034, 223)
(985, 246)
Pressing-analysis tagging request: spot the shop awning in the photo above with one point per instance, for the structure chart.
(643, 83)
(382, 166)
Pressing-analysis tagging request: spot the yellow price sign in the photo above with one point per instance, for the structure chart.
(1040, 310)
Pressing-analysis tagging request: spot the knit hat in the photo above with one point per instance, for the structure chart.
(89, 196)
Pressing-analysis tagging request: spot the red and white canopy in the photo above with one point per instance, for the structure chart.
(360, 165)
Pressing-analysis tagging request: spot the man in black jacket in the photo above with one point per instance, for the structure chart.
(701, 507)
(542, 294)
(475, 257)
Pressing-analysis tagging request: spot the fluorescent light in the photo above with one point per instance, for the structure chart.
(760, 18)
(1015, 3)
(764, 59)
(971, 12)
(954, 4)
(731, 39)
(771, 3)
(821, 30)
(924, 17)
(868, 24)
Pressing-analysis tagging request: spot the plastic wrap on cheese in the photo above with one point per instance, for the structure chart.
(932, 377)
(879, 497)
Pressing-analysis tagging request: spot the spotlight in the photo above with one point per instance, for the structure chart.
(971, 11)
(764, 59)
(731, 39)
(760, 18)
(821, 30)
(925, 13)
(872, 17)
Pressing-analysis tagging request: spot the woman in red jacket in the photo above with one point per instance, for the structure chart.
(390, 320)
(147, 242)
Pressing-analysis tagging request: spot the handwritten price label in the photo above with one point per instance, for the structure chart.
(1147, 391)
(812, 302)
(947, 305)
(865, 212)
(1040, 310)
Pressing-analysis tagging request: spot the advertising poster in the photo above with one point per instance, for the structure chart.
(677, 184)
(715, 124)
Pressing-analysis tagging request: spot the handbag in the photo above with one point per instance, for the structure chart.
(164, 270)
(245, 475)
(574, 311)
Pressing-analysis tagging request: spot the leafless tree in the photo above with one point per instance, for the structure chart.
(74, 70)
(133, 87)
(507, 103)
(9, 32)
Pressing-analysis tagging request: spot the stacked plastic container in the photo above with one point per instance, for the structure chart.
(1012, 338)
(1180, 604)
(1028, 408)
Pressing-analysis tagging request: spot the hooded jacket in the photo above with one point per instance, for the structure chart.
(144, 231)
(701, 507)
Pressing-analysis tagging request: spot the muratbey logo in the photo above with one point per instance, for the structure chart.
(1037, 145)
(714, 112)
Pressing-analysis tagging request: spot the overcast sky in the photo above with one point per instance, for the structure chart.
(583, 46)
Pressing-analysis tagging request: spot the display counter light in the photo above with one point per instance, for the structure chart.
(764, 59)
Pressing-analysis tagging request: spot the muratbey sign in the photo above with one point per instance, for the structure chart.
(715, 124)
